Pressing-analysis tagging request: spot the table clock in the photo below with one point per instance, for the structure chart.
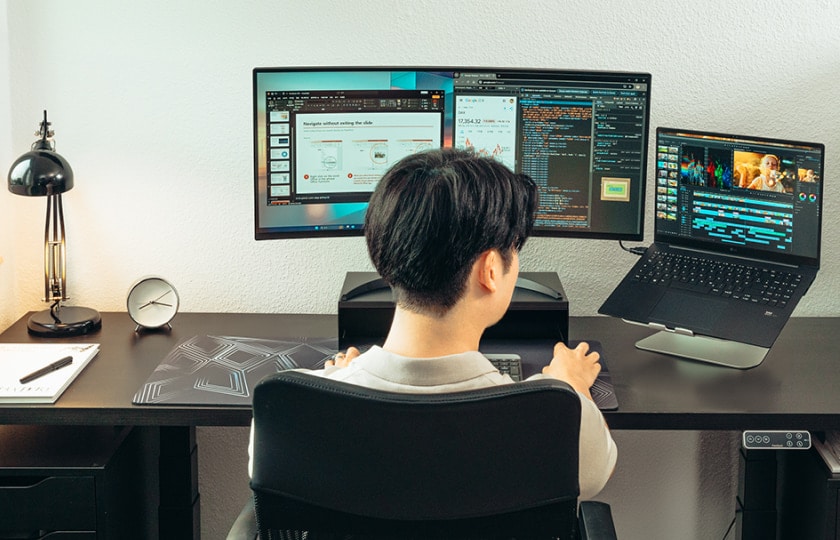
(152, 302)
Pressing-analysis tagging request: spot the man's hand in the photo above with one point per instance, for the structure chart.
(577, 366)
(343, 359)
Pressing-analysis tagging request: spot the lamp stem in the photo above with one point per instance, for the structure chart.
(48, 252)
(55, 265)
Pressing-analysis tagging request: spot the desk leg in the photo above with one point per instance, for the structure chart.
(180, 515)
(757, 516)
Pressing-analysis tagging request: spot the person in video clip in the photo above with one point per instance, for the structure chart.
(769, 177)
(444, 229)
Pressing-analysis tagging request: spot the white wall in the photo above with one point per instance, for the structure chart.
(151, 102)
(8, 310)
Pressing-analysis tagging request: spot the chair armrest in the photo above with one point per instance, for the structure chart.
(595, 520)
(245, 526)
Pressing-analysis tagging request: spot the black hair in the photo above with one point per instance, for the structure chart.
(434, 213)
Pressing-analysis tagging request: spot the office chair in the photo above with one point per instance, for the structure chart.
(343, 461)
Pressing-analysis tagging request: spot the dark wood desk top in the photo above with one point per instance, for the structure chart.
(102, 393)
(796, 387)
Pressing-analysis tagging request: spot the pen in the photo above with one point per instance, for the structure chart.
(58, 364)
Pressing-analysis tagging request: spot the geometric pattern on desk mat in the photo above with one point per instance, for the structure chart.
(603, 392)
(223, 370)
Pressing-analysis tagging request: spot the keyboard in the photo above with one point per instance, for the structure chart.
(739, 281)
(603, 393)
(507, 364)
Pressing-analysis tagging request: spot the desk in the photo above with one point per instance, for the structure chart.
(794, 388)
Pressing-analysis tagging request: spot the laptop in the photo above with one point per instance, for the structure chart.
(737, 232)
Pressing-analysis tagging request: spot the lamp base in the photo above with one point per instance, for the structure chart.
(64, 321)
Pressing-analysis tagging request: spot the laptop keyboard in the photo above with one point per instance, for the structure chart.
(719, 278)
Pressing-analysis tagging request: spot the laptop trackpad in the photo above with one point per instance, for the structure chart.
(688, 311)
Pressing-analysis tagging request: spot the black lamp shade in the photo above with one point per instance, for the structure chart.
(40, 172)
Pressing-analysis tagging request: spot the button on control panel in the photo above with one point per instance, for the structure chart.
(777, 440)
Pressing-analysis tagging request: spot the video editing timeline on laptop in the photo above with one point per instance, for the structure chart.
(323, 137)
(709, 189)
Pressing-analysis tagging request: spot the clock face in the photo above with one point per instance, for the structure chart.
(152, 302)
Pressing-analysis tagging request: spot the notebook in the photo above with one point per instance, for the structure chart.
(737, 231)
(19, 360)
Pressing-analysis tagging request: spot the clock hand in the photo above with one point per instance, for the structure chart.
(147, 304)
(161, 296)
(161, 304)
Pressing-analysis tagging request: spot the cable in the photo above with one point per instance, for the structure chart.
(730, 526)
(638, 250)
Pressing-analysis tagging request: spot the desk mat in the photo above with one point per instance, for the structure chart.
(223, 370)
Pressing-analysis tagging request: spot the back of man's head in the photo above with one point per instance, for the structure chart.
(434, 213)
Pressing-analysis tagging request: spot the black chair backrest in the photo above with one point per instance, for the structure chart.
(336, 457)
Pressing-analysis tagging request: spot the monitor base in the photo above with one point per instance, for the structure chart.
(705, 349)
(377, 284)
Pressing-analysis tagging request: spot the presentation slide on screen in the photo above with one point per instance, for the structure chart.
(349, 152)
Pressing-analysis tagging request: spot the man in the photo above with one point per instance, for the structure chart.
(444, 229)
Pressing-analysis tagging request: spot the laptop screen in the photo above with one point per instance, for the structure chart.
(747, 196)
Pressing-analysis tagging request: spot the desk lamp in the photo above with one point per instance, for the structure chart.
(39, 172)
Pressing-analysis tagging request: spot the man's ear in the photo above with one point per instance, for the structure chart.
(486, 268)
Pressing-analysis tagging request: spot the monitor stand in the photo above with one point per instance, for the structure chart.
(721, 352)
(529, 284)
(373, 284)
(378, 283)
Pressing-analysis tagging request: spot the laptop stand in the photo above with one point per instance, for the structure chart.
(722, 352)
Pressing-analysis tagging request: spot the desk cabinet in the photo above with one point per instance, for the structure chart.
(809, 506)
(73, 482)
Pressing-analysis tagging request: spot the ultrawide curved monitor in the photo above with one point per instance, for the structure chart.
(323, 137)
